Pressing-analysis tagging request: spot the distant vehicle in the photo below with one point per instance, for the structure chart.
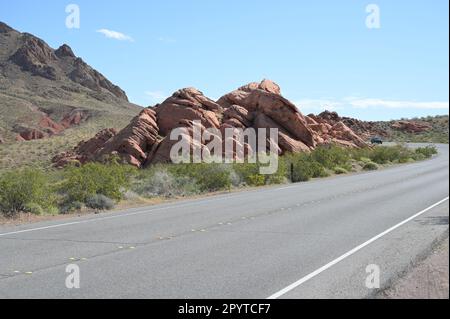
(376, 140)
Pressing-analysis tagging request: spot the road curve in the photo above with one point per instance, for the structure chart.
(251, 244)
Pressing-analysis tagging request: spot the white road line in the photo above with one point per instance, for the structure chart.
(349, 253)
(109, 217)
(201, 201)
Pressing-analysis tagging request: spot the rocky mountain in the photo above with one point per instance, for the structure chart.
(44, 92)
(146, 141)
(431, 129)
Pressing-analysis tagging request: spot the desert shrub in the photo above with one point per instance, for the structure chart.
(370, 166)
(81, 183)
(129, 195)
(52, 210)
(340, 170)
(427, 151)
(208, 176)
(33, 208)
(213, 177)
(330, 156)
(256, 180)
(100, 202)
(71, 207)
(250, 173)
(304, 167)
(386, 154)
(158, 181)
(19, 188)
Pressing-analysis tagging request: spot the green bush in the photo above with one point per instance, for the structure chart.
(427, 151)
(100, 202)
(331, 156)
(33, 208)
(305, 167)
(339, 170)
(370, 166)
(71, 207)
(158, 181)
(81, 183)
(208, 176)
(22, 189)
(256, 180)
(386, 154)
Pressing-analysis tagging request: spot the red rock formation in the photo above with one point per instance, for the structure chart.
(411, 126)
(133, 142)
(50, 126)
(146, 140)
(28, 134)
(46, 127)
(85, 150)
(186, 104)
(329, 121)
(265, 98)
(75, 117)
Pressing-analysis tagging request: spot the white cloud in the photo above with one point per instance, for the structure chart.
(115, 35)
(396, 104)
(156, 96)
(319, 105)
(334, 104)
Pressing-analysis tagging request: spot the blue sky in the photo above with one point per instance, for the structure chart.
(321, 52)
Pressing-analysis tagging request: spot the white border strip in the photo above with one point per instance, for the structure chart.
(145, 210)
(349, 253)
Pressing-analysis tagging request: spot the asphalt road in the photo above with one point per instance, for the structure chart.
(307, 240)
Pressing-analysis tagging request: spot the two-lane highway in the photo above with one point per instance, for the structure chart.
(294, 241)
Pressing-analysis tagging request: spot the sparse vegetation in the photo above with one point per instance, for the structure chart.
(100, 202)
(439, 132)
(100, 186)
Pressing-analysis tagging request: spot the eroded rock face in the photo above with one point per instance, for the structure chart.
(411, 126)
(75, 117)
(341, 130)
(28, 134)
(35, 56)
(64, 51)
(47, 127)
(92, 79)
(264, 98)
(186, 104)
(146, 140)
(133, 142)
(85, 151)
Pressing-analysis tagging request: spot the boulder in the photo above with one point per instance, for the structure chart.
(411, 126)
(133, 142)
(187, 104)
(75, 117)
(146, 140)
(265, 98)
(85, 150)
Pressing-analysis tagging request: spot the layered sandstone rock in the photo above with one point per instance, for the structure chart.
(411, 126)
(333, 129)
(85, 151)
(47, 127)
(265, 98)
(146, 140)
(75, 117)
(134, 141)
(187, 104)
